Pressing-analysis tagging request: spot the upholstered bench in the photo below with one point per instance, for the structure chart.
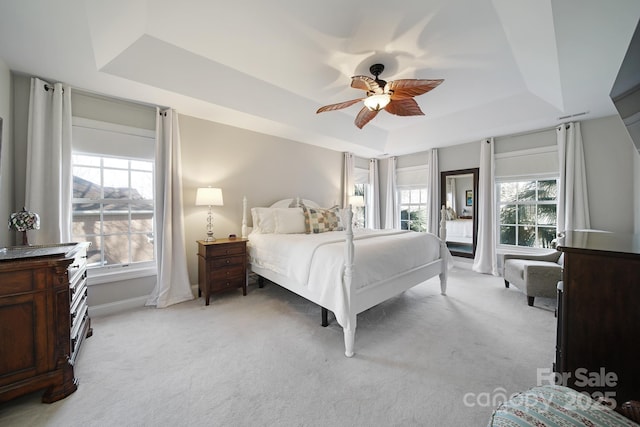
(535, 275)
(555, 406)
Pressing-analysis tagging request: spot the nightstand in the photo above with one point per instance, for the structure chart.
(222, 265)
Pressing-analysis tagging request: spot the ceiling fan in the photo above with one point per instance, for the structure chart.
(395, 97)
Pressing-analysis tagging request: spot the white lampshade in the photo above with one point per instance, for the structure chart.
(208, 196)
(377, 102)
(356, 201)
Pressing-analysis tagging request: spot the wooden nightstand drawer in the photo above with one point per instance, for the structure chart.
(227, 261)
(226, 272)
(222, 265)
(229, 283)
(226, 249)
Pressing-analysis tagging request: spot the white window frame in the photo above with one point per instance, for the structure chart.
(499, 203)
(118, 272)
(360, 212)
(411, 178)
(422, 205)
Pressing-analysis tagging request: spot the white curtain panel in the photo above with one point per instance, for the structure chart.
(433, 201)
(485, 260)
(573, 203)
(48, 176)
(392, 209)
(347, 179)
(172, 285)
(373, 204)
(453, 188)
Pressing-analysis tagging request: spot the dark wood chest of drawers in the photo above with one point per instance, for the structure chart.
(598, 315)
(43, 319)
(222, 265)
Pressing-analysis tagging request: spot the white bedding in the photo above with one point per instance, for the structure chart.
(316, 261)
(460, 230)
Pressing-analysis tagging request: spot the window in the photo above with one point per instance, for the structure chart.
(412, 190)
(113, 194)
(413, 209)
(528, 212)
(359, 212)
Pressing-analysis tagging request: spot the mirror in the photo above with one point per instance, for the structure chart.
(459, 194)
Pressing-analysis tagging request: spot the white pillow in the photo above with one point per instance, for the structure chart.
(289, 221)
(264, 220)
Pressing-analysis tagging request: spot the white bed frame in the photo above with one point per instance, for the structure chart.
(359, 300)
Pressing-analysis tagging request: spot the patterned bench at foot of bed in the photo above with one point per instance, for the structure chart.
(555, 406)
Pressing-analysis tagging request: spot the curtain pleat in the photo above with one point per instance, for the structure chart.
(373, 204)
(172, 285)
(48, 188)
(453, 187)
(485, 260)
(392, 214)
(573, 203)
(433, 201)
(347, 179)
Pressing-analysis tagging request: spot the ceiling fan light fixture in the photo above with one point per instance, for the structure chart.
(377, 102)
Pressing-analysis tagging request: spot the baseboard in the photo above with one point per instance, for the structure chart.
(117, 306)
(124, 305)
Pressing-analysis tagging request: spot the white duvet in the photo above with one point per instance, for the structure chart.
(316, 261)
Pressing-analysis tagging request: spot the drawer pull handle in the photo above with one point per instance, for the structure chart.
(228, 261)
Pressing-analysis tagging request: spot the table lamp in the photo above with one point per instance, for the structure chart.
(24, 221)
(207, 196)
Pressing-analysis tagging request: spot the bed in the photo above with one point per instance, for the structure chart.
(340, 269)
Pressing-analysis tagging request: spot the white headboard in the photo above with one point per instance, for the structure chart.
(284, 203)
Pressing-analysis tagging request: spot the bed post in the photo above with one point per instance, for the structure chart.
(444, 251)
(444, 273)
(443, 224)
(349, 328)
(244, 217)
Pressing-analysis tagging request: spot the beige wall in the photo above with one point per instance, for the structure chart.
(608, 155)
(6, 156)
(611, 162)
(243, 163)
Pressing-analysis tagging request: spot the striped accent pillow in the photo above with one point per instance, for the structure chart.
(321, 220)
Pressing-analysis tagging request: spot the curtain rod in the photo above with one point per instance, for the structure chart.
(531, 132)
(48, 87)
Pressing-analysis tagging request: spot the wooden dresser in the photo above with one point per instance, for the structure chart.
(598, 345)
(43, 319)
(222, 265)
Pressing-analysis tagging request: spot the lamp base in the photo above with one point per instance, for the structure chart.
(210, 237)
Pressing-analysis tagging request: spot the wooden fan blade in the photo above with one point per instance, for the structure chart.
(404, 107)
(408, 88)
(338, 106)
(364, 116)
(365, 83)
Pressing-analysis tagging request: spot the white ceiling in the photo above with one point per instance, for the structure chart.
(509, 66)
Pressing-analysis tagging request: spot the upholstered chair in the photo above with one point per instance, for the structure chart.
(535, 275)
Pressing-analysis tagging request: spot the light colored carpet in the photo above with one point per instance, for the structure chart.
(422, 359)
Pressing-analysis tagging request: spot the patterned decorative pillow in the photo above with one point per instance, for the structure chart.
(321, 220)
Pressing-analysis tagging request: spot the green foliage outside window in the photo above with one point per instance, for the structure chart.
(528, 212)
(413, 209)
